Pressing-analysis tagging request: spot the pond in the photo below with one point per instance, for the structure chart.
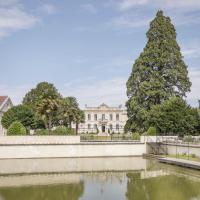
(155, 182)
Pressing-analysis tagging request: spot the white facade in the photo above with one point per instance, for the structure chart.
(5, 104)
(103, 120)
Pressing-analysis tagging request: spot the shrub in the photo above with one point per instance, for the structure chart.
(61, 130)
(151, 131)
(188, 138)
(193, 155)
(16, 128)
(136, 136)
(42, 132)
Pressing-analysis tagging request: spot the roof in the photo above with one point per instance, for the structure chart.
(2, 99)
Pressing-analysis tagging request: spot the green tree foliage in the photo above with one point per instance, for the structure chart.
(21, 113)
(158, 74)
(136, 136)
(44, 99)
(70, 112)
(52, 108)
(174, 116)
(151, 131)
(16, 128)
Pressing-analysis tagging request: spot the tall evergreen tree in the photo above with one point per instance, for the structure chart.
(158, 74)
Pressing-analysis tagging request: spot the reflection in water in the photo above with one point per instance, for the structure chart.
(51, 192)
(156, 182)
(164, 187)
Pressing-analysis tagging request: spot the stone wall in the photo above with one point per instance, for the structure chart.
(64, 147)
(182, 149)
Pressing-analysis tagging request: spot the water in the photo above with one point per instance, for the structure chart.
(148, 180)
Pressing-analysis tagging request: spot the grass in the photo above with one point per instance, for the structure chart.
(185, 157)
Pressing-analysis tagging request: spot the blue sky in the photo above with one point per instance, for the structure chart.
(87, 48)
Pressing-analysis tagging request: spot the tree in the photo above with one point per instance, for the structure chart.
(45, 100)
(151, 131)
(70, 112)
(16, 128)
(20, 113)
(174, 117)
(158, 74)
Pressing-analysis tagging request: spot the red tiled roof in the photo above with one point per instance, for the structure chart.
(2, 99)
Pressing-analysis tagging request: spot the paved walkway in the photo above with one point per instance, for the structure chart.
(181, 162)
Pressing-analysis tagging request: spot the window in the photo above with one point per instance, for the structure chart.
(117, 117)
(89, 117)
(103, 116)
(95, 126)
(117, 127)
(111, 117)
(95, 117)
(111, 127)
(89, 126)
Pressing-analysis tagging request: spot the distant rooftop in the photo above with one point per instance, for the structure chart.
(2, 99)
(103, 106)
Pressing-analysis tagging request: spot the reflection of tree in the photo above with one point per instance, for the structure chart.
(51, 192)
(163, 187)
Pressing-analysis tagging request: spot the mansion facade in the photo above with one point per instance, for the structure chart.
(103, 120)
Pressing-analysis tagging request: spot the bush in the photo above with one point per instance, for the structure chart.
(61, 130)
(188, 138)
(136, 136)
(16, 128)
(42, 132)
(151, 131)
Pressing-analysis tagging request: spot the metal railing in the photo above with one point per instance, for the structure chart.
(111, 138)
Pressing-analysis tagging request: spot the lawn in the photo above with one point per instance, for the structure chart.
(185, 157)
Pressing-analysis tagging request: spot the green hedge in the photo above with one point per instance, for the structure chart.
(58, 131)
(16, 128)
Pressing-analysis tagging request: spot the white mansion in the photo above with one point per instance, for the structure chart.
(103, 119)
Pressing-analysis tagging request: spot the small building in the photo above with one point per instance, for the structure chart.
(103, 119)
(5, 104)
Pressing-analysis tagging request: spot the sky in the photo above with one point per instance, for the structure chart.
(86, 48)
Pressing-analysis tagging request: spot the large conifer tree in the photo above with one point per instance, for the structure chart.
(158, 74)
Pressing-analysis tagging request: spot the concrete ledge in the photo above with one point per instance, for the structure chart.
(181, 162)
(31, 140)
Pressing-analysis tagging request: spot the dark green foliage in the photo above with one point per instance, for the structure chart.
(42, 132)
(174, 117)
(44, 100)
(63, 131)
(58, 131)
(52, 108)
(158, 74)
(16, 128)
(21, 113)
(151, 131)
(136, 136)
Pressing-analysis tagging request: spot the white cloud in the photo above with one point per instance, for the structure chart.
(194, 95)
(192, 52)
(16, 93)
(112, 92)
(90, 8)
(124, 5)
(48, 9)
(192, 49)
(130, 21)
(13, 17)
(127, 4)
